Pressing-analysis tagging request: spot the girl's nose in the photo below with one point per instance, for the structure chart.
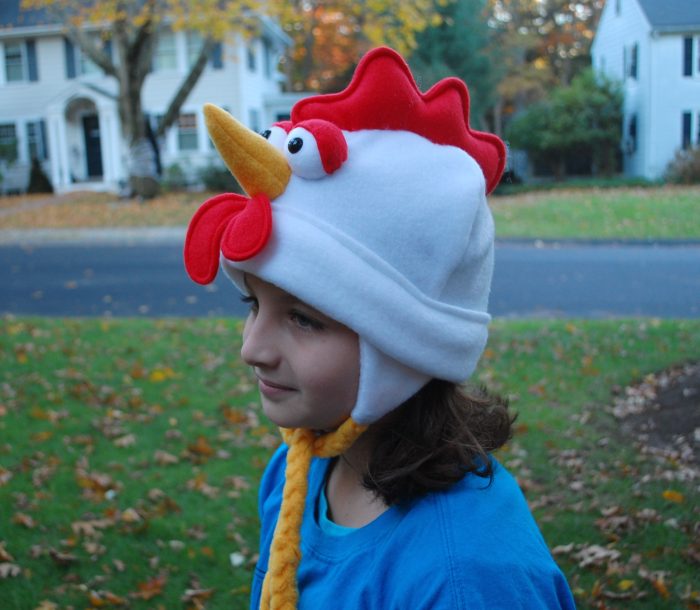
(259, 347)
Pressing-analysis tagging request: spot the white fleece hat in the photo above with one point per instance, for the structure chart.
(380, 222)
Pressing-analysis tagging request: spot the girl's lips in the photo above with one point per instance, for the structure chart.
(273, 390)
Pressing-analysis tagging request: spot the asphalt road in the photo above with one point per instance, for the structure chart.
(93, 279)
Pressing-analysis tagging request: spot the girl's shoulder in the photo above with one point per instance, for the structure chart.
(494, 508)
(273, 477)
(479, 531)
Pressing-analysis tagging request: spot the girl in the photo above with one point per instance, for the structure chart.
(365, 251)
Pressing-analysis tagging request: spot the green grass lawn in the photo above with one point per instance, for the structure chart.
(666, 212)
(621, 213)
(130, 452)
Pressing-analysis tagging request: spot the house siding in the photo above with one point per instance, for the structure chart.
(62, 101)
(660, 93)
(672, 95)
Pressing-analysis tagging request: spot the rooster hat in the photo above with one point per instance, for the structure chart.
(370, 206)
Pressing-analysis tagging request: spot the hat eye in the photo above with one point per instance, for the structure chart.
(315, 148)
(276, 135)
(303, 154)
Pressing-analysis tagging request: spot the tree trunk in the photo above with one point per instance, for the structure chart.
(135, 60)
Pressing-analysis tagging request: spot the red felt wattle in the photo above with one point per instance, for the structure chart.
(248, 231)
(235, 225)
(384, 95)
(204, 233)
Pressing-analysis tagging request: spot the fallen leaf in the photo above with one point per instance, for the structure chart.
(128, 440)
(131, 515)
(196, 597)
(673, 496)
(90, 528)
(9, 570)
(4, 555)
(46, 604)
(62, 559)
(100, 599)
(163, 458)
(40, 437)
(23, 520)
(201, 447)
(151, 588)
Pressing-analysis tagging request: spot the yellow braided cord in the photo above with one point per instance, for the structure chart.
(279, 590)
(339, 441)
(285, 549)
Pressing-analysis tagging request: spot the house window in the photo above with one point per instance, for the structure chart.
(254, 119)
(632, 135)
(8, 142)
(251, 58)
(85, 64)
(14, 62)
(36, 141)
(166, 52)
(634, 53)
(268, 59)
(686, 137)
(194, 43)
(20, 61)
(187, 132)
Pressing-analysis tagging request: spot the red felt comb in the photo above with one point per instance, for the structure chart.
(384, 95)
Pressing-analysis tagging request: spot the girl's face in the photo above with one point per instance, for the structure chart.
(307, 364)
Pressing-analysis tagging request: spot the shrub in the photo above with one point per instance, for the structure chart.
(174, 178)
(219, 179)
(38, 180)
(685, 167)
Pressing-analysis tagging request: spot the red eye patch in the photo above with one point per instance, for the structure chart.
(330, 141)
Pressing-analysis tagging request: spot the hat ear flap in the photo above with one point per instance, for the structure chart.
(204, 234)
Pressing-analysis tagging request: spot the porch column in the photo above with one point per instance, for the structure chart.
(58, 149)
(109, 145)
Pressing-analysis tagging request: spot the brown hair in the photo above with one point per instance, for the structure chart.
(434, 438)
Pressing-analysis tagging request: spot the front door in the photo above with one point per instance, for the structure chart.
(93, 152)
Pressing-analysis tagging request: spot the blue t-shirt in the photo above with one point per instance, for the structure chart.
(475, 546)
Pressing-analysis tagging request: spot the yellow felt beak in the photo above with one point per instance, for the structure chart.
(259, 167)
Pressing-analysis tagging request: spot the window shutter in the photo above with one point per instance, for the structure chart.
(44, 140)
(31, 61)
(685, 140)
(108, 48)
(70, 58)
(217, 56)
(687, 56)
(635, 55)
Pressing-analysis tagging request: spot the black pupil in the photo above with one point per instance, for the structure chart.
(266, 134)
(295, 145)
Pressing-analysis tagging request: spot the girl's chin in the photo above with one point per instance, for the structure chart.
(284, 417)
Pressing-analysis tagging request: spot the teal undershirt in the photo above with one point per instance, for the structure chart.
(327, 526)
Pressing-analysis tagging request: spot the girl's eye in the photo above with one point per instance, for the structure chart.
(252, 302)
(305, 322)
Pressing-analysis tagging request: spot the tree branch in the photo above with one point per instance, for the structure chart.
(186, 87)
(95, 53)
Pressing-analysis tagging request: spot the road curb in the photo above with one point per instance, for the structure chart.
(590, 242)
(120, 236)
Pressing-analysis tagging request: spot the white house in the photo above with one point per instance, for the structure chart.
(653, 48)
(57, 106)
